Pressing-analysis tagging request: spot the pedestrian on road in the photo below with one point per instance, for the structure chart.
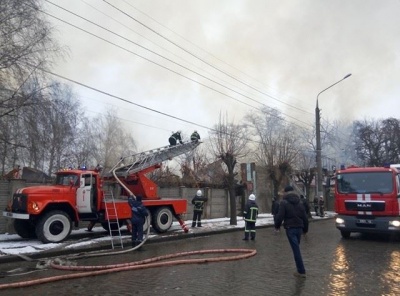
(316, 206)
(275, 207)
(198, 206)
(295, 222)
(250, 216)
(321, 206)
(139, 214)
(174, 138)
(195, 137)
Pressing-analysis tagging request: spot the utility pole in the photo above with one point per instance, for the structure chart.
(318, 139)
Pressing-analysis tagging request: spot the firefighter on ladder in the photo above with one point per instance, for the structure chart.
(174, 138)
(195, 137)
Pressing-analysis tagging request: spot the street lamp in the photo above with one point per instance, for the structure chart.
(318, 135)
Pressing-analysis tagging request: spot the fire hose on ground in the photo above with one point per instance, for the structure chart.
(86, 271)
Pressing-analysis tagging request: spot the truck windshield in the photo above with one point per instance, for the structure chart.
(372, 182)
(66, 179)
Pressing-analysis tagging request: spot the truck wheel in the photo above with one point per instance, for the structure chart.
(24, 228)
(345, 234)
(162, 219)
(53, 227)
(147, 222)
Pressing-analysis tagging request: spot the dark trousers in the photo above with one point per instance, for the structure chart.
(172, 141)
(321, 211)
(250, 229)
(137, 232)
(294, 236)
(196, 218)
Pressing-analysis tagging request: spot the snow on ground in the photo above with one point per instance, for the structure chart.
(11, 244)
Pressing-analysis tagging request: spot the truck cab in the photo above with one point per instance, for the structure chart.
(367, 200)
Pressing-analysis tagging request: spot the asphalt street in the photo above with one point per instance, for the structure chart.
(361, 265)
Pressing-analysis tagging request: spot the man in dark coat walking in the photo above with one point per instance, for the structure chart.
(294, 218)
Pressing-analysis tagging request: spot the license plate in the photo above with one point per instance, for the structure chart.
(365, 221)
(9, 214)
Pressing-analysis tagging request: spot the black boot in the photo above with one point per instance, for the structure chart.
(194, 224)
(246, 236)
(199, 224)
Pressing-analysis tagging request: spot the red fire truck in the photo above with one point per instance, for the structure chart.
(47, 212)
(367, 199)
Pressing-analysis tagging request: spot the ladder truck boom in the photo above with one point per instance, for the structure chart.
(144, 160)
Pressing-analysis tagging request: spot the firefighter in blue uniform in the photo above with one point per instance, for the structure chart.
(139, 214)
(250, 216)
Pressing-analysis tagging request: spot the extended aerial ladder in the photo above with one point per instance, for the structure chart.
(130, 172)
(142, 161)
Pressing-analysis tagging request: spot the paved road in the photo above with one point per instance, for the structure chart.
(358, 266)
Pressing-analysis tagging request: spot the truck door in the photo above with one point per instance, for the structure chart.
(84, 193)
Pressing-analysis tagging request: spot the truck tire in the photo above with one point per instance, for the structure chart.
(162, 219)
(54, 227)
(345, 234)
(24, 228)
(147, 222)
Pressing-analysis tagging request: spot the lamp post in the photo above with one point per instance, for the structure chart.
(318, 138)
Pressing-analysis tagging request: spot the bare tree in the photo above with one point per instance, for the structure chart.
(376, 141)
(26, 44)
(229, 143)
(113, 140)
(50, 128)
(278, 147)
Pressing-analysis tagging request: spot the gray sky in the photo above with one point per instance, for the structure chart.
(248, 53)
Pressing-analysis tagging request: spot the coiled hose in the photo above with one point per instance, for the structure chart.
(143, 264)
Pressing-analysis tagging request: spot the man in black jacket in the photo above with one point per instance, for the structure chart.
(294, 218)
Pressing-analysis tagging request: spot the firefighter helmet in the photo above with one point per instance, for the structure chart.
(199, 193)
(252, 197)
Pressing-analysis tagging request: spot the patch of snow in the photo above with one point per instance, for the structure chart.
(11, 244)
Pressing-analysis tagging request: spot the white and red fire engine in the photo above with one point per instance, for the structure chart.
(367, 200)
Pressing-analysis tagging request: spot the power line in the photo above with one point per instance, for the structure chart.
(202, 60)
(207, 52)
(184, 67)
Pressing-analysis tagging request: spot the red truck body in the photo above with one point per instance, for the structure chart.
(367, 200)
(47, 212)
